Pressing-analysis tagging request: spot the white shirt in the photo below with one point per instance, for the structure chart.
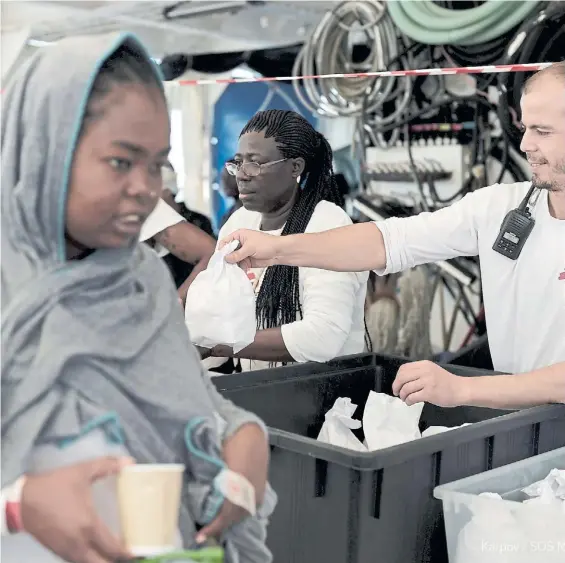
(524, 299)
(332, 302)
(161, 218)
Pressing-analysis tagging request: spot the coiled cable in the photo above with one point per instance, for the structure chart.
(370, 125)
(328, 51)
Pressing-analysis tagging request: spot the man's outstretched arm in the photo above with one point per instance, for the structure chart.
(355, 248)
(391, 246)
(427, 382)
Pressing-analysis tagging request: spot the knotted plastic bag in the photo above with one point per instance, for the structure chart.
(220, 305)
(338, 424)
(389, 421)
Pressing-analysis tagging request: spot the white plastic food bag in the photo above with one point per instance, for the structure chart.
(337, 427)
(220, 305)
(389, 421)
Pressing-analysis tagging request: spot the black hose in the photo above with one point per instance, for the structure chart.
(538, 39)
(512, 165)
(482, 54)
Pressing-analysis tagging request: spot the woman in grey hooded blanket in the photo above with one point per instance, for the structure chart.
(93, 337)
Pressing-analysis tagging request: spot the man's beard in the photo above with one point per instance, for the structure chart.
(552, 186)
(541, 185)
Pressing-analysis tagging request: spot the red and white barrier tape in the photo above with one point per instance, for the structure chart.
(487, 69)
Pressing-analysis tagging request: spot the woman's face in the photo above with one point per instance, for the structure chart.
(116, 174)
(276, 184)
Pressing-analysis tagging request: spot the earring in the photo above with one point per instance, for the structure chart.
(298, 179)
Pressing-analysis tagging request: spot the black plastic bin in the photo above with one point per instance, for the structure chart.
(340, 506)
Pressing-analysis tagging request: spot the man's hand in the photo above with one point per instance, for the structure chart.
(58, 511)
(425, 381)
(222, 351)
(256, 249)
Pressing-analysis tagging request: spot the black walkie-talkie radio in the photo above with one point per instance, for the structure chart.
(515, 229)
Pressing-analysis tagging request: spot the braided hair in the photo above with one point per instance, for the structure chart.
(278, 301)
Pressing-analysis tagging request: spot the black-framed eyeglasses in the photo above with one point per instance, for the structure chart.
(249, 168)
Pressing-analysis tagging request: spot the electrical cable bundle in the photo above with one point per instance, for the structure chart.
(329, 51)
(403, 34)
(483, 150)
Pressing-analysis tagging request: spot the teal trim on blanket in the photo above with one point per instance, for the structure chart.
(216, 498)
(109, 422)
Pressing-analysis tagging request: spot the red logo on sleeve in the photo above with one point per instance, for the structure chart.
(561, 276)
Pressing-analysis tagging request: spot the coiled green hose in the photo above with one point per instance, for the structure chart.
(428, 23)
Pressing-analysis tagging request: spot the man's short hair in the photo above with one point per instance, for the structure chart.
(557, 70)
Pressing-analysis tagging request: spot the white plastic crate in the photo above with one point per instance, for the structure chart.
(481, 529)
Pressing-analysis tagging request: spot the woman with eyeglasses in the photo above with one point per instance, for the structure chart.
(284, 174)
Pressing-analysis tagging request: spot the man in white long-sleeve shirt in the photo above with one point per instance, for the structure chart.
(524, 297)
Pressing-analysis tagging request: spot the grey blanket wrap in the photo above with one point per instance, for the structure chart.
(99, 342)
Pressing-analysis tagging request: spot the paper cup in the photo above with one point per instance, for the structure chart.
(149, 502)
